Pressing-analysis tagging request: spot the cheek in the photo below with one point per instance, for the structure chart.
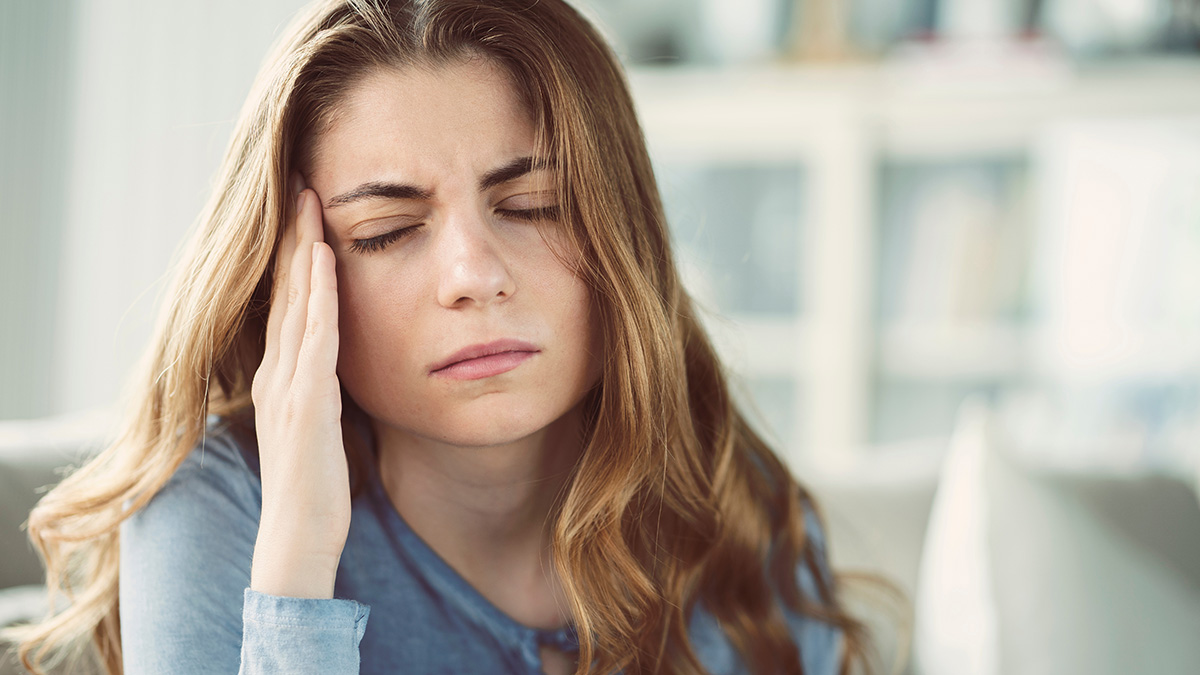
(372, 330)
(576, 318)
(560, 284)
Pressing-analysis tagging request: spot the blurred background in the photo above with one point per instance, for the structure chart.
(922, 231)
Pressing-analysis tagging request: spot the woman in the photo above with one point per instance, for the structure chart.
(428, 365)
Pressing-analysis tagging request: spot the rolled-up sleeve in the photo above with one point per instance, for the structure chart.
(298, 635)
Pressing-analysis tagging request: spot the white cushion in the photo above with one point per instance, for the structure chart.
(876, 509)
(957, 624)
(1055, 572)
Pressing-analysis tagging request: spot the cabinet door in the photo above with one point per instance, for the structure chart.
(951, 305)
(736, 229)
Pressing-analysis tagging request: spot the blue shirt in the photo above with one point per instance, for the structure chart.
(186, 606)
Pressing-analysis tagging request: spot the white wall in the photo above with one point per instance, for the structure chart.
(156, 90)
(35, 89)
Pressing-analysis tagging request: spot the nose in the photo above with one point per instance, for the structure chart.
(473, 270)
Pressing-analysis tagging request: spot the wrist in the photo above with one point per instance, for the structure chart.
(287, 567)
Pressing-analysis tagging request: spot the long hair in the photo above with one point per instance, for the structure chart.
(675, 499)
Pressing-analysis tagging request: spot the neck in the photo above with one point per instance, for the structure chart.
(485, 510)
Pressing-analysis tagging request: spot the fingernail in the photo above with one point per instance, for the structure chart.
(300, 202)
(297, 183)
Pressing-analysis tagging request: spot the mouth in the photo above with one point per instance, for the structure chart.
(484, 360)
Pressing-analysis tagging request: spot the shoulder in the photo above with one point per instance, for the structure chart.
(185, 560)
(815, 533)
(215, 492)
(219, 471)
(819, 642)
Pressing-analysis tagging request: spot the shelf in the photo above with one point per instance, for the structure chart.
(1106, 353)
(953, 352)
(981, 351)
(760, 346)
(788, 111)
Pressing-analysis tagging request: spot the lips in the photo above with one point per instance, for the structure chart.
(482, 350)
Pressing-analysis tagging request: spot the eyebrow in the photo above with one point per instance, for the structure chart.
(384, 190)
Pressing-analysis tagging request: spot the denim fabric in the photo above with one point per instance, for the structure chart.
(186, 605)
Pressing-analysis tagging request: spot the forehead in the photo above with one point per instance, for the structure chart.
(420, 119)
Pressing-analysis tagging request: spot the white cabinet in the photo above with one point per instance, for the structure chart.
(790, 188)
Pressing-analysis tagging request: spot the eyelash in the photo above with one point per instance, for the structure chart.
(382, 241)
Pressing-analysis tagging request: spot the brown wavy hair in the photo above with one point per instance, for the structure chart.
(675, 499)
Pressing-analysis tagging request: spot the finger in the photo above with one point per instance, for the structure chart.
(291, 332)
(318, 355)
(284, 253)
(313, 229)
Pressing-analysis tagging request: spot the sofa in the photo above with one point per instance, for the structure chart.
(1020, 550)
(1006, 564)
(34, 454)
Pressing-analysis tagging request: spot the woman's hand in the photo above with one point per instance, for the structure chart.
(297, 409)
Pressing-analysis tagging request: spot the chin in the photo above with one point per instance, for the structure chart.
(494, 420)
(489, 433)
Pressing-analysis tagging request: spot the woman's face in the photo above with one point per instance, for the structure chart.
(427, 190)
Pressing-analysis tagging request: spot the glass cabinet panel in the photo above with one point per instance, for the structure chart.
(772, 404)
(954, 241)
(736, 230)
(951, 290)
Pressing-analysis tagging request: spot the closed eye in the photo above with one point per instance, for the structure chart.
(381, 242)
(540, 213)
